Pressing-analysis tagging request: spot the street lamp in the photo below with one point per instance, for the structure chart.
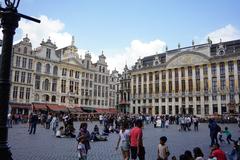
(9, 22)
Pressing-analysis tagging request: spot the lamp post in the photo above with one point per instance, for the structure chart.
(9, 22)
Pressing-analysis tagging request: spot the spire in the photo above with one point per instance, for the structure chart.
(209, 40)
(220, 40)
(166, 48)
(179, 46)
(73, 41)
(193, 43)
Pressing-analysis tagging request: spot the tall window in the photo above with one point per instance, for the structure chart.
(29, 78)
(47, 69)
(222, 68)
(197, 84)
(71, 73)
(214, 84)
(16, 76)
(46, 85)
(55, 70)
(205, 69)
(197, 71)
(230, 66)
(30, 62)
(64, 72)
(71, 86)
(176, 86)
(182, 72)
(63, 86)
(63, 99)
(205, 81)
(24, 63)
(76, 87)
(15, 92)
(37, 82)
(54, 85)
(77, 73)
(23, 75)
(163, 74)
(213, 68)
(53, 98)
(183, 86)
(170, 74)
(21, 95)
(190, 85)
(170, 87)
(189, 71)
(163, 87)
(176, 72)
(18, 61)
(27, 94)
(48, 53)
(25, 50)
(222, 83)
(231, 83)
(39, 67)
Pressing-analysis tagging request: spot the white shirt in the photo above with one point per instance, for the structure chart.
(124, 135)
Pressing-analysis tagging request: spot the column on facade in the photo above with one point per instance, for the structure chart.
(218, 87)
(180, 91)
(187, 89)
(148, 95)
(132, 95)
(167, 93)
(194, 90)
(210, 89)
(236, 96)
(160, 91)
(227, 85)
(154, 94)
(173, 93)
(142, 92)
(201, 91)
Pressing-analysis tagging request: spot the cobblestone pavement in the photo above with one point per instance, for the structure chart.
(44, 146)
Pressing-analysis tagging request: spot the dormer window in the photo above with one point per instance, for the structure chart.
(48, 53)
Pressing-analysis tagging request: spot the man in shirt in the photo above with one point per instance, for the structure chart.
(136, 142)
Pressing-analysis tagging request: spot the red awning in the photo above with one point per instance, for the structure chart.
(20, 105)
(106, 110)
(57, 108)
(39, 106)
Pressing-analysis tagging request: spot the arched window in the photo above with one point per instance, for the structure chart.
(53, 98)
(25, 50)
(47, 69)
(39, 67)
(36, 97)
(55, 70)
(46, 85)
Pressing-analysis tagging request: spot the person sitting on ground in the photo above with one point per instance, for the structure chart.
(217, 152)
(60, 132)
(197, 153)
(95, 135)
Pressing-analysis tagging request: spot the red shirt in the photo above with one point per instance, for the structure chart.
(219, 154)
(135, 133)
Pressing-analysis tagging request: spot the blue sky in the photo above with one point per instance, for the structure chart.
(120, 27)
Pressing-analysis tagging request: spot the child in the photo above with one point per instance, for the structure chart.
(228, 135)
(219, 134)
(82, 154)
(163, 151)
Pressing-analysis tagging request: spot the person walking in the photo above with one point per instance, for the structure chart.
(217, 152)
(54, 123)
(82, 153)
(33, 121)
(83, 132)
(228, 135)
(136, 142)
(213, 127)
(9, 120)
(124, 142)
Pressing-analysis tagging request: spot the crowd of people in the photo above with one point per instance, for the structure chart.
(130, 130)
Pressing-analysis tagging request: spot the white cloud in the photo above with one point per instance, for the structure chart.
(130, 54)
(227, 33)
(47, 28)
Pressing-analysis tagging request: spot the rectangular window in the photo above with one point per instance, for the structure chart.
(64, 72)
(206, 109)
(27, 94)
(222, 68)
(21, 95)
(190, 85)
(77, 73)
(231, 83)
(205, 81)
(16, 76)
(54, 85)
(198, 109)
(63, 99)
(198, 85)
(156, 110)
(24, 63)
(18, 61)
(230, 67)
(182, 72)
(63, 86)
(197, 71)
(15, 92)
(190, 71)
(222, 83)
(29, 78)
(37, 82)
(213, 69)
(183, 86)
(48, 53)
(71, 86)
(214, 85)
(71, 73)
(30, 63)
(205, 69)
(163, 74)
(23, 74)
